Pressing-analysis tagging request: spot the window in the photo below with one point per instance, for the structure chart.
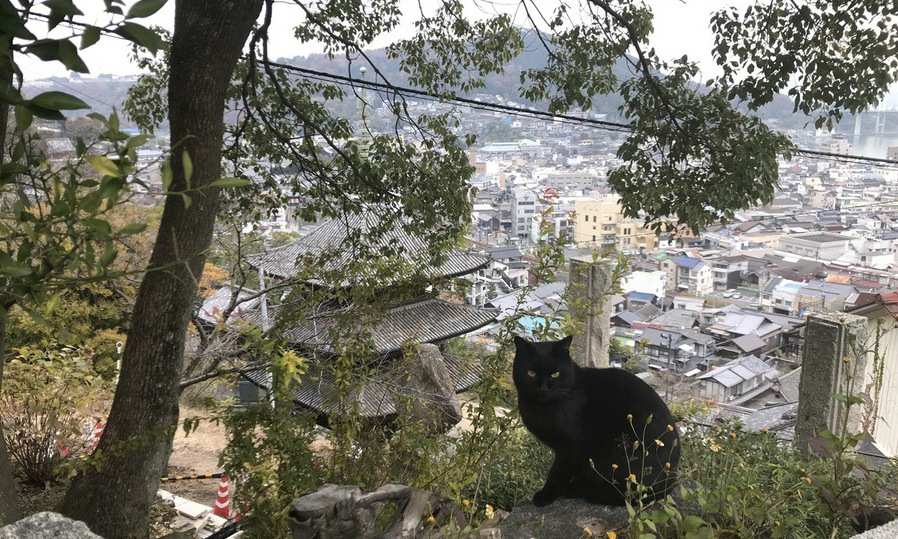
(593, 218)
(586, 217)
(593, 237)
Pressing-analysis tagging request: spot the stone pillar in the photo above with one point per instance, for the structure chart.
(588, 298)
(829, 365)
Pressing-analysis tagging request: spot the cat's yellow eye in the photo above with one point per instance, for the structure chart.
(531, 374)
(556, 374)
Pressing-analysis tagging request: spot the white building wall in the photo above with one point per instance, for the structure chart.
(885, 432)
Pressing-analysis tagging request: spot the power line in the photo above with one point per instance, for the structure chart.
(617, 127)
(529, 112)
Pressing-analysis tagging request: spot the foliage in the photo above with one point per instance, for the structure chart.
(751, 484)
(60, 232)
(49, 395)
(830, 59)
(16, 38)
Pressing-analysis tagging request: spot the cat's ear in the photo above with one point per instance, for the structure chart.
(565, 343)
(521, 343)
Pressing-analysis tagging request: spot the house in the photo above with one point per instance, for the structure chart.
(679, 350)
(687, 303)
(882, 330)
(631, 318)
(646, 282)
(728, 271)
(634, 300)
(676, 318)
(817, 245)
(689, 275)
(744, 345)
(732, 322)
(735, 379)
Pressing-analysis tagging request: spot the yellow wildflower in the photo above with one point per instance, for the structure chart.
(489, 512)
(659, 443)
(614, 466)
(611, 534)
(431, 520)
(670, 428)
(631, 477)
(807, 480)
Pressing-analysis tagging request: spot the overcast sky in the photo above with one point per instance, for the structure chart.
(681, 27)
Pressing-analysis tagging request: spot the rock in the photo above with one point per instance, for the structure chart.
(46, 525)
(433, 394)
(323, 501)
(886, 531)
(390, 512)
(560, 520)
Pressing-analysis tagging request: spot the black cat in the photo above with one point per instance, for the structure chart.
(602, 424)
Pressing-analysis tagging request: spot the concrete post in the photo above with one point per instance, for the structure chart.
(588, 298)
(829, 368)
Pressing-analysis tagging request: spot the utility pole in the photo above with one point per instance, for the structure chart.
(667, 374)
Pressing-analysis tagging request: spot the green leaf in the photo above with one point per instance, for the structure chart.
(15, 269)
(90, 36)
(8, 94)
(187, 200)
(109, 254)
(68, 55)
(58, 101)
(24, 117)
(138, 140)
(141, 35)
(167, 176)
(12, 25)
(132, 228)
(144, 8)
(230, 182)
(59, 10)
(47, 114)
(188, 166)
(103, 165)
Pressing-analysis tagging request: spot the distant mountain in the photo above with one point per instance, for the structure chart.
(104, 92)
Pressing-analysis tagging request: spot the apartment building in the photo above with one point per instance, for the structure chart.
(599, 222)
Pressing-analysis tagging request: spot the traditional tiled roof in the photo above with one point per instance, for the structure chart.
(376, 398)
(333, 241)
(424, 321)
(737, 371)
(749, 343)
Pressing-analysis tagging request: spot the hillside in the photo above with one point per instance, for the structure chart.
(104, 92)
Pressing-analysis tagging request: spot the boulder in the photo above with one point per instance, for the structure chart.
(46, 525)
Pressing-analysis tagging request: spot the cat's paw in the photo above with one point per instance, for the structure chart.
(543, 498)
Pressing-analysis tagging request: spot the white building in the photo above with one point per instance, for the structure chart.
(647, 282)
(523, 210)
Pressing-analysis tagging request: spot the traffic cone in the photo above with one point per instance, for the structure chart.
(223, 501)
(95, 436)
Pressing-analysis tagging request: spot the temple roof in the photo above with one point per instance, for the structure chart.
(318, 390)
(426, 321)
(334, 239)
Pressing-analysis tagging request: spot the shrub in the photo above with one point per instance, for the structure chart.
(48, 397)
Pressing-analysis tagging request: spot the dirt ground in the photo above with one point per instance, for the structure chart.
(194, 454)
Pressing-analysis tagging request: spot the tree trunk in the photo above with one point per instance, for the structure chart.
(113, 498)
(10, 509)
